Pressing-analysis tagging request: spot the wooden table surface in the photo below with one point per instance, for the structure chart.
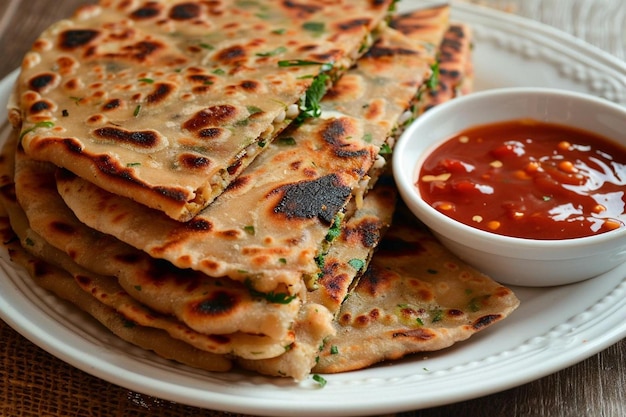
(594, 387)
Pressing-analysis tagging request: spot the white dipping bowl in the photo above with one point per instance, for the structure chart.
(510, 260)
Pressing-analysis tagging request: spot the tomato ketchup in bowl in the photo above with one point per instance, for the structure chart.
(526, 184)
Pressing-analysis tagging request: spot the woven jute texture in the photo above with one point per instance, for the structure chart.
(35, 383)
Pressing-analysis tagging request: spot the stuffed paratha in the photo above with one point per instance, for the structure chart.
(60, 283)
(415, 296)
(454, 72)
(165, 102)
(270, 224)
(206, 304)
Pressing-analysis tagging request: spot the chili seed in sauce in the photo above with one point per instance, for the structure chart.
(529, 179)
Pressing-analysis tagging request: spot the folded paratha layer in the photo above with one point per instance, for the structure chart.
(165, 102)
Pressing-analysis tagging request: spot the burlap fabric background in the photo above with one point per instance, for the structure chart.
(34, 383)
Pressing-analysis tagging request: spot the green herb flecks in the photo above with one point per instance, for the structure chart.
(249, 230)
(137, 110)
(385, 149)
(357, 264)
(254, 110)
(286, 141)
(146, 80)
(436, 315)
(46, 124)
(334, 350)
(316, 28)
(279, 31)
(324, 66)
(310, 103)
(133, 164)
(277, 51)
(320, 380)
(335, 229)
(271, 297)
(433, 80)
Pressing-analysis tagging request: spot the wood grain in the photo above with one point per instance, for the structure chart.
(593, 387)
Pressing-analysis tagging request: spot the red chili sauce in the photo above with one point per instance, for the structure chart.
(528, 179)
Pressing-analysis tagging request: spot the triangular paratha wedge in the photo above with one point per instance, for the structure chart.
(415, 296)
(270, 224)
(165, 102)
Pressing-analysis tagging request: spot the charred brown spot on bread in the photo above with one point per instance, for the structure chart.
(234, 167)
(219, 303)
(337, 131)
(485, 321)
(211, 133)
(210, 117)
(300, 10)
(147, 11)
(112, 104)
(61, 227)
(332, 281)
(199, 225)
(40, 106)
(160, 93)
(77, 38)
(231, 55)
(366, 231)
(229, 234)
(394, 246)
(379, 51)
(171, 193)
(43, 82)
(185, 11)
(238, 183)
(375, 110)
(414, 334)
(142, 138)
(41, 269)
(354, 25)
(83, 280)
(72, 145)
(376, 280)
(454, 313)
(250, 85)
(329, 56)
(191, 161)
(204, 79)
(321, 198)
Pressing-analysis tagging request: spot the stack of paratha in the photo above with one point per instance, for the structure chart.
(177, 175)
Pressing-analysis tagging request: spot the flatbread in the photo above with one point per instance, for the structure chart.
(415, 296)
(454, 73)
(59, 282)
(270, 224)
(206, 304)
(167, 101)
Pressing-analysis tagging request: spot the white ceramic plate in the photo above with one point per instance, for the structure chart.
(552, 329)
